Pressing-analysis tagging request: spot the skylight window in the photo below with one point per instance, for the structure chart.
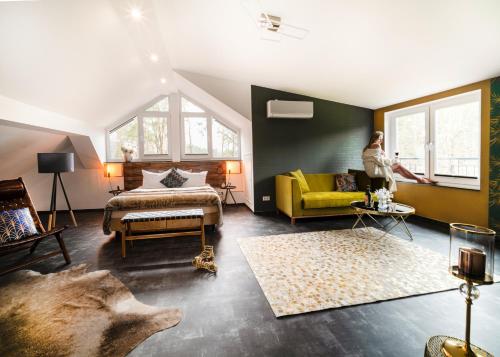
(160, 106)
(189, 107)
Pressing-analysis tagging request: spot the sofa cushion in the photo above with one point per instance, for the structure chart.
(346, 183)
(330, 199)
(320, 182)
(299, 176)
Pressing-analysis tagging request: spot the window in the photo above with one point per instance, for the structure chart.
(189, 107)
(225, 141)
(147, 133)
(457, 140)
(205, 135)
(440, 139)
(410, 141)
(155, 135)
(125, 135)
(160, 106)
(173, 126)
(195, 135)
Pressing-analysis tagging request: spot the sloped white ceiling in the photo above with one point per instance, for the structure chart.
(87, 60)
(76, 58)
(367, 53)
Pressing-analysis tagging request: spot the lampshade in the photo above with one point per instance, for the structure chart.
(233, 167)
(53, 162)
(113, 169)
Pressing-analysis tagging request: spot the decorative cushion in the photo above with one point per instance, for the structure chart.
(174, 179)
(16, 224)
(299, 176)
(195, 179)
(346, 183)
(152, 179)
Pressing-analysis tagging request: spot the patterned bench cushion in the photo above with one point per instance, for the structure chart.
(162, 215)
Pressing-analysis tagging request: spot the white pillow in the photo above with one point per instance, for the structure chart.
(183, 171)
(152, 179)
(195, 179)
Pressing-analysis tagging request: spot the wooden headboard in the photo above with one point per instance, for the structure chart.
(132, 174)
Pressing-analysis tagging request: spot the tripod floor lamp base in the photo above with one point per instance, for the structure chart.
(53, 203)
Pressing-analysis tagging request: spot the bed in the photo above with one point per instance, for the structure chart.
(139, 199)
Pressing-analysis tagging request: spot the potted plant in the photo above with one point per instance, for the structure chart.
(127, 154)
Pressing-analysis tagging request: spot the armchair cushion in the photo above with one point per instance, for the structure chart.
(304, 186)
(16, 224)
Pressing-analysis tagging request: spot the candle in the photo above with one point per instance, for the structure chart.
(471, 262)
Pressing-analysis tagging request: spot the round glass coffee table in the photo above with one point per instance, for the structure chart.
(398, 212)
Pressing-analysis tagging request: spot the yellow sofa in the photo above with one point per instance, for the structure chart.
(323, 199)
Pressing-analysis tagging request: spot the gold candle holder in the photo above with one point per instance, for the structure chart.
(472, 255)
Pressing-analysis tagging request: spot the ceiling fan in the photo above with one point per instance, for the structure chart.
(272, 27)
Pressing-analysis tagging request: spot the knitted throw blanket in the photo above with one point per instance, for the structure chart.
(140, 199)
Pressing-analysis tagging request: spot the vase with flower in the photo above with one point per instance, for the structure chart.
(127, 154)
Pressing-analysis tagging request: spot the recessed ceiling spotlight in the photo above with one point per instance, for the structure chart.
(154, 57)
(136, 13)
(163, 80)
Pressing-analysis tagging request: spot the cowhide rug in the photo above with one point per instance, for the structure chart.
(74, 313)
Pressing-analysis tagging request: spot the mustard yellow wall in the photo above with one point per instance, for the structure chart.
(444, 203)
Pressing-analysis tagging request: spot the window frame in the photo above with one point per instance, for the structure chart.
(210, 116)
(110, 130)
(140, 114)
(429, 108)
(175, 131)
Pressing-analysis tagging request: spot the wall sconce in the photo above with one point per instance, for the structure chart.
(113, 169)
(232, 167)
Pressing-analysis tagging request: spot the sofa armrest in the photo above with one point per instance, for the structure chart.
(288, 195)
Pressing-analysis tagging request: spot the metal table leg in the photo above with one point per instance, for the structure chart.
(373, 218)
(360, 219)
(398, 222)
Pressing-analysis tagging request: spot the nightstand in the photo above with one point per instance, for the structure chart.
(116, 192)
(228, 191)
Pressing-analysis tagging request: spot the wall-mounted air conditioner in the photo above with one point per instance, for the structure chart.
(289, 109)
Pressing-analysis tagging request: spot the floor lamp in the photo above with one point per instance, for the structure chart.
(55, 163)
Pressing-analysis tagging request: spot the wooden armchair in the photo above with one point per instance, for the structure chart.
(14, 195)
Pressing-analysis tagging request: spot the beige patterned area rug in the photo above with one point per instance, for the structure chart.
(74, 313)
(304, 272)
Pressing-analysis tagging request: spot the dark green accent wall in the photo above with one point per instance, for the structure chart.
(494, 196)
(330, 142)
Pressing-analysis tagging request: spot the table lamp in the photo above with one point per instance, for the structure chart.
(232, 167)
(113, 169)
(55, 163)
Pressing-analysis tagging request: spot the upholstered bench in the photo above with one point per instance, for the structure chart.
(188, 222)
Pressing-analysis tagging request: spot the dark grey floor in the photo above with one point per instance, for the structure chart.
(228, 315)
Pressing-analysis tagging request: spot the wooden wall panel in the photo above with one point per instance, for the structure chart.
(132, 174)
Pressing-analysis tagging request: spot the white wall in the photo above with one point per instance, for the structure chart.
(26, 130)
(15, 111)
(236, 95)
(86, 188)
(244, 181)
